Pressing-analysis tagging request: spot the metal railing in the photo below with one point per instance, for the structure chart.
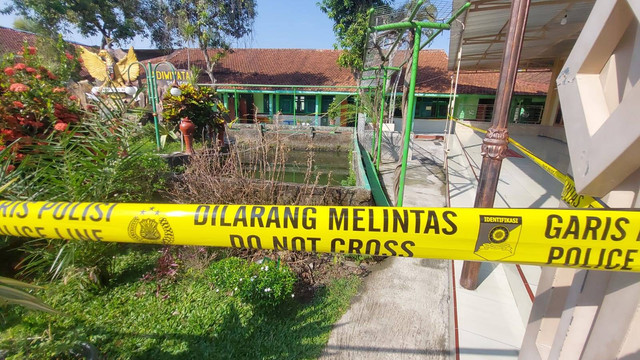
(522, 114)
(528, 114)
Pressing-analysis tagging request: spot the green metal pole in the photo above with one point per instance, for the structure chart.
(357, 110)
(295, 105)
(225, 99)
(410, 113)
(271, 105)
(153, 97)
(384, 88)
(235, 103)
(411, 25)
(373, 133)
(277, 102)
(318, 101)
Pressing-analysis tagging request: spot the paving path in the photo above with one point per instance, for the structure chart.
(404, 308)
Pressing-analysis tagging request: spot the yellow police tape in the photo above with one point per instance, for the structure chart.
(590, 239)
(569, 194)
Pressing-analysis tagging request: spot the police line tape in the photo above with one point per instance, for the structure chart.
(589, 239)
(569, 194)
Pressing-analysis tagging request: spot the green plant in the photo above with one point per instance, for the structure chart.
(10, 294)
(263, 285)
(34, 103)
(199, 104)
(99, 159)
(190, 320)
(351, 180)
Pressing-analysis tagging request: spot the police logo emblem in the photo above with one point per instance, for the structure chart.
(150, 227)
(498, 237)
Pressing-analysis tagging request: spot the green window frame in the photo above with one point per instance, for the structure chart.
(431, 108)
(286, 104)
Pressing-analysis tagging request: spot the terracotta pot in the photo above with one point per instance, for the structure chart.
(187, 129)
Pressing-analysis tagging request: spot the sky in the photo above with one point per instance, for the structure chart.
(285, 24)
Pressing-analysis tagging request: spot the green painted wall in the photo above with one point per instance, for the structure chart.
(258, 100)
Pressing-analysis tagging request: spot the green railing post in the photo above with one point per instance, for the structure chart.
(318, 103)
(235, 103)
(410, 113)
(153, 97)
(225, 99)
(295, 105)
(271, 105)
(384, 95)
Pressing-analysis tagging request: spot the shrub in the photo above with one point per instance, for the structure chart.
(199, 104)
(96, 160)
(264, 285)
(34, 102)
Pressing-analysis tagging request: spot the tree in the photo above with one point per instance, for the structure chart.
(116, 20)
(350, 27)
(29, 25)
(213, 24)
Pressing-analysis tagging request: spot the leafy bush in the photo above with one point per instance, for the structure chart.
(263, 285)
(96, 160)
(199, 104)
(34, 102)
(127, 320)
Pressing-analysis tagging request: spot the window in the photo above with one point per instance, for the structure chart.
(286, 104)
(265, 104)
(485, 109)
(431, 108)
(300, 104)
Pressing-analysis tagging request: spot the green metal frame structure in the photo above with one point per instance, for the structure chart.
(276, 90)
(152, 90)
(417, 26)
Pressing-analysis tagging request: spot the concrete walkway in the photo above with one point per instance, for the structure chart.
(406, 309)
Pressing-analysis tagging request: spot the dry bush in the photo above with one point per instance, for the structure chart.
(250, 173)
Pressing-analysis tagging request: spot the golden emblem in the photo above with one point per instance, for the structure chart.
(103, 67)
(149, 226)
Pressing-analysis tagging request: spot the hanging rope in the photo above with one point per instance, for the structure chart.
(449, 124)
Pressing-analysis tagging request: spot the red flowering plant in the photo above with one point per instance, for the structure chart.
(34, 101)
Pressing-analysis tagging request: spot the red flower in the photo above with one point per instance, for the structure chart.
(18, 104)
(51, 75)
(32, 50)
(60, 126)
(73, 98)
(9, 71)
(80, 60)
(20, 66)
(39, 77)
(69, 56)
(59, 89)
(30, 70)
(17, 87)
(8, 135)
(10, 168)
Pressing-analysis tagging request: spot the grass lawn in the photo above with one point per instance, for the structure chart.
(184, 318)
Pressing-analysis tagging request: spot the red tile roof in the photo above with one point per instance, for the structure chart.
(270, 67)
(11, 40)
(307, 68)
(433, 77)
